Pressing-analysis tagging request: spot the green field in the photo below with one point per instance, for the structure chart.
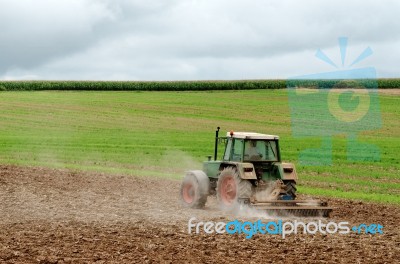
(165, 133)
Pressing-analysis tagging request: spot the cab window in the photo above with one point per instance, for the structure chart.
(237, 150)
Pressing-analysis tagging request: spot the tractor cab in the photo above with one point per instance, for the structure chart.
(251, 147)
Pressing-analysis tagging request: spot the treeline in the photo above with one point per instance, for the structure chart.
(193, 85)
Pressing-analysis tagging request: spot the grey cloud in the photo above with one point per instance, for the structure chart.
(33, 32)
(180, 39)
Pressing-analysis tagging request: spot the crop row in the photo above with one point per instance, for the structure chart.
(193, 85)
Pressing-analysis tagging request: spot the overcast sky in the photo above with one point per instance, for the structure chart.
(193, 39)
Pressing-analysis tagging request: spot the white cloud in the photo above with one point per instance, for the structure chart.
(198, 39)
(33, 32)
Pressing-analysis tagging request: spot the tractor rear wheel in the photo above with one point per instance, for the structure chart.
(291, 188)
(194, 189)
(230, 187)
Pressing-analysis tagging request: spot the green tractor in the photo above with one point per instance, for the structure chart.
(250, 172)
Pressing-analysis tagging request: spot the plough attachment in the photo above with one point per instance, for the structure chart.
(301, 208)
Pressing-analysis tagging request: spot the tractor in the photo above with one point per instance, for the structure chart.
(251, 173)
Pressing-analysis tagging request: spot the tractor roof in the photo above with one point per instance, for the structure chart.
(251, 135)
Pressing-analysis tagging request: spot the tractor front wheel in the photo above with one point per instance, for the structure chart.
(230, 187)
(194, 189)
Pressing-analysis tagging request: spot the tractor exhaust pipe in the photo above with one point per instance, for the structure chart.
(216, 143)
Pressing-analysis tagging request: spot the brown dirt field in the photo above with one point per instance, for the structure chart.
(60, 216)
(390, 91)
(380, 91)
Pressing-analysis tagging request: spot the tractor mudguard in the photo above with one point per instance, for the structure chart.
(289, 171)
(246, 170)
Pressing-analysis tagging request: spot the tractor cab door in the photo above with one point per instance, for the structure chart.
(228, 147)
(233, 150)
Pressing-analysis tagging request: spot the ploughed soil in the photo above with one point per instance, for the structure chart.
(61, 216)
